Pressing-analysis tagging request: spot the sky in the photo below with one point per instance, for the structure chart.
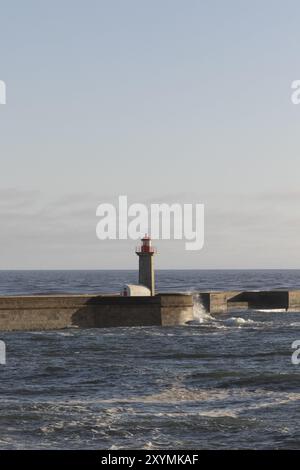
(165, 101)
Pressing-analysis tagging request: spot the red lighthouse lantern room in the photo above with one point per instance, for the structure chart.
(146, 246)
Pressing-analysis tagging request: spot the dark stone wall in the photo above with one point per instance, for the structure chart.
(221, 302)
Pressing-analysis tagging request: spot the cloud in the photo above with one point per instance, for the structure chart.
(14, 198)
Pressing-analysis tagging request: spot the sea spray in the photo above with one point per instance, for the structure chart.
(200, 313)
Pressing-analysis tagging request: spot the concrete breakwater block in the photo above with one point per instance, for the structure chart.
(52, 312)
(225, 301)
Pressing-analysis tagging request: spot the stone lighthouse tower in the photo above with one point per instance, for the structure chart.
(145, 253)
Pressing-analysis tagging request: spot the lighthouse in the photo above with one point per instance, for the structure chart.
(145, 253)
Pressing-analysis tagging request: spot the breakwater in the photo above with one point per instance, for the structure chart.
(52, 312)
(226, 301)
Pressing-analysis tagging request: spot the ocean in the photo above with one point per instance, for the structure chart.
(219, 383)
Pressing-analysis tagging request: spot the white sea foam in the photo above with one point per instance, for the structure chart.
(271, 310)
(203, 317)
(238, 321)
(63, 333)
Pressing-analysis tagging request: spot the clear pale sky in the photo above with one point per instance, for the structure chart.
(170, 101)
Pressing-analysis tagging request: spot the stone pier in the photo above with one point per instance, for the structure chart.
(225, 301)
(52, 312)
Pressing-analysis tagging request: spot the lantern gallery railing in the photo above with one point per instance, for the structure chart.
(146, 249)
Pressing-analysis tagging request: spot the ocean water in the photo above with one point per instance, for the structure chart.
(218, 383)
